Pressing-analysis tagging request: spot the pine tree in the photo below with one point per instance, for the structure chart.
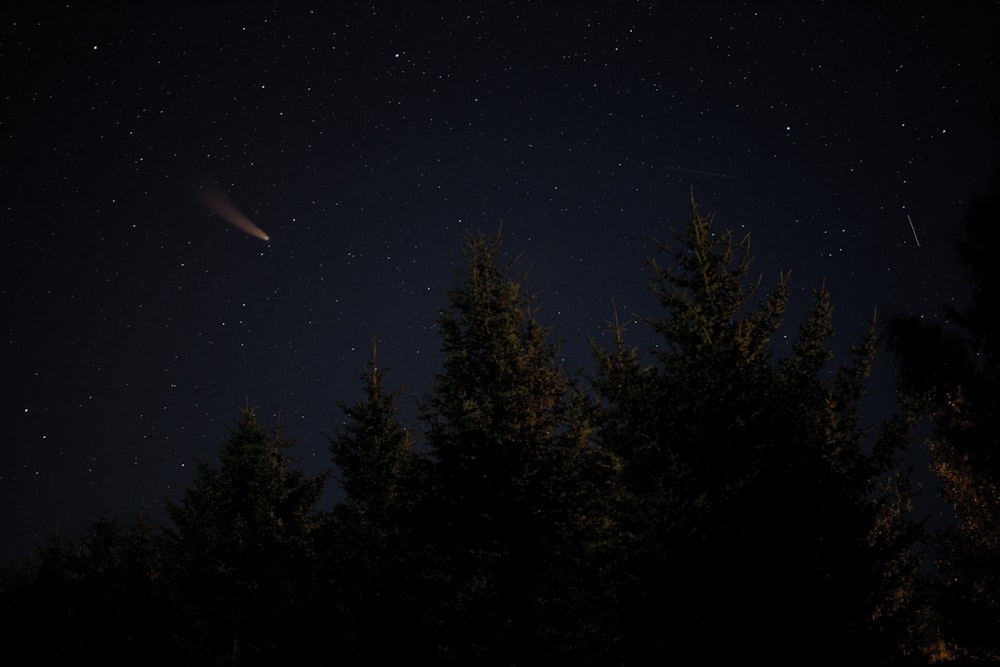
(746, 480)
(500, 438)
(847, 501)
(373, 550)
(242, 549)
(375, 453)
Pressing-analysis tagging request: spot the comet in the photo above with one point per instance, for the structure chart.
(217, 203)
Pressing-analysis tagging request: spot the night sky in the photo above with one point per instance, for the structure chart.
(364, 139)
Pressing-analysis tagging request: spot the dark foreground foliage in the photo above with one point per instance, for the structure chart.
(715, 496)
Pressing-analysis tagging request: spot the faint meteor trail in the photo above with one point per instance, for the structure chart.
(914, 230)
(225, 209)
(703, 173)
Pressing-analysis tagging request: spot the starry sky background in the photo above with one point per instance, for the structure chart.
(366, 138)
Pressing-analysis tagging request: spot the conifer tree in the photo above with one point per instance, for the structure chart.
(375, 453)
(373, 551)
(499, 436)
(99, 599)
(746, 479)
(242, 547)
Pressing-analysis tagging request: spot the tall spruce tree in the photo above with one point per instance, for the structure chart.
(374, 552)
(747, 482)
(242, 550)
(502, 444)
(375, 454)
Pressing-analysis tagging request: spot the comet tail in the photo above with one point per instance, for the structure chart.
(225, 209)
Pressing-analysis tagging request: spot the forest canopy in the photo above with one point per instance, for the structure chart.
(717, 495)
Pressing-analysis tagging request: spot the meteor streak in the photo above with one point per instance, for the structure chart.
(703, 173)
(225, 209)
(914, 230)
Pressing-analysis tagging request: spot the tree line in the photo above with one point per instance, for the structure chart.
(705, 499)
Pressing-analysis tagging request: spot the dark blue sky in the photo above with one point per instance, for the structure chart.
(365, 139)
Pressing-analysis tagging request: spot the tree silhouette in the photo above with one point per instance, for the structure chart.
(373, 548)
(717, 485)
(101, 598)
(375, 453)
(747, 484)
(242, 549)
(500, 437)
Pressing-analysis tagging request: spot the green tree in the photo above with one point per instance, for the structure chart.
(375, 559)
(747, 481)
(375, 454)
(242, 550)
(503, 445)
